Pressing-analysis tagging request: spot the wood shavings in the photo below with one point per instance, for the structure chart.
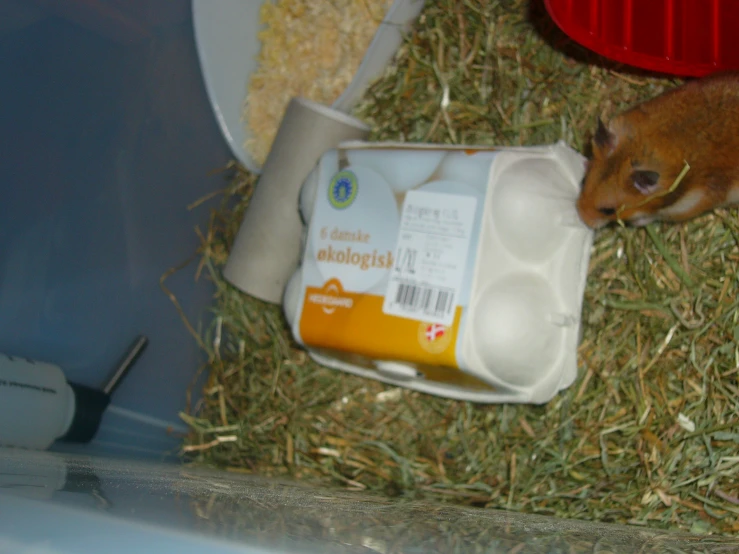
(310, 48)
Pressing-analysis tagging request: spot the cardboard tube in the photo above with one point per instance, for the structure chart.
(266, 250)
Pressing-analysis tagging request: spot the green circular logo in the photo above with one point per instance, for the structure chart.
(343, 189)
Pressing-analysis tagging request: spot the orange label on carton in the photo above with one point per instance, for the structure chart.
(354, 322)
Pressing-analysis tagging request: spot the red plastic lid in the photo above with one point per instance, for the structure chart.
(681, 37)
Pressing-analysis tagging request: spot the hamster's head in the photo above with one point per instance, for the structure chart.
(624, 181)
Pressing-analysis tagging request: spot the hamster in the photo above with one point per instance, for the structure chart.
(638, 156)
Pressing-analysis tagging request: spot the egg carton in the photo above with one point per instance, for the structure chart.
(454, 271)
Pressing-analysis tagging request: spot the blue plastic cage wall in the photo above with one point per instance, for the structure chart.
(107, 136)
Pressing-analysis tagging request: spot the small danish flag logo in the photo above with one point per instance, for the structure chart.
(435, 338)
(435, 331)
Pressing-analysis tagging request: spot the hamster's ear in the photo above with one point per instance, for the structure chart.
(645, 181)
(603, 140)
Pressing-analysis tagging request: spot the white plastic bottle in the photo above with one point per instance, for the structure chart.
(37, 405)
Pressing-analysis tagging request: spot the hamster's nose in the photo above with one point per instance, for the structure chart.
(592, 217)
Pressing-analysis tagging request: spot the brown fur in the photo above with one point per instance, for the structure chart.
(697, 122)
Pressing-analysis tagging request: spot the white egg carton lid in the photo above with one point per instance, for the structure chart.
(522, 325)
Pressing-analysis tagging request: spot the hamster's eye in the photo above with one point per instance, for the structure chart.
(607, 211)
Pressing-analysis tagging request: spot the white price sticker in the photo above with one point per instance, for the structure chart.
(430, 256)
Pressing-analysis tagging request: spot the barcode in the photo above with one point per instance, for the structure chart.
(432, 301)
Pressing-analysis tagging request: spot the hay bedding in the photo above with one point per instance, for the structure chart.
(647, 435)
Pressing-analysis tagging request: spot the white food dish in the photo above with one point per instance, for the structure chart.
(227, 45)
